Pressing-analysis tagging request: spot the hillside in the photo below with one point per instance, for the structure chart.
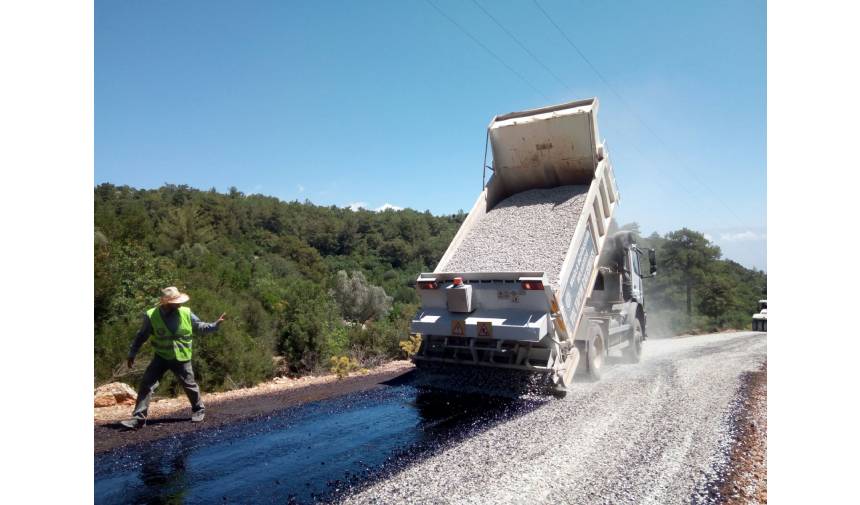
(271, 265)
(302, 283)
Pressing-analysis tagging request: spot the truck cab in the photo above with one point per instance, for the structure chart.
(617, 301)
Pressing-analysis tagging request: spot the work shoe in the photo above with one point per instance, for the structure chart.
(133, 423)
(198, 416)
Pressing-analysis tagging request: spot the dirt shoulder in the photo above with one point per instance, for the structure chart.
(171, 416)
(747, 478)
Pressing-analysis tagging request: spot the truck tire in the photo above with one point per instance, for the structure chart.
(633, 352)
(595, 353)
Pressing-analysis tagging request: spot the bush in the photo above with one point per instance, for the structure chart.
(343, 365)
(111, 349)
(309, 325)
(411, 345)
(358, 299)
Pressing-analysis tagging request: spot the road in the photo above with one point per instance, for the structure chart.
(656, 432)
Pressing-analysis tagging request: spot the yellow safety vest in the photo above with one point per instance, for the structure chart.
(168, 345)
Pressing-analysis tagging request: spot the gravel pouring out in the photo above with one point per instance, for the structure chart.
(527, 232)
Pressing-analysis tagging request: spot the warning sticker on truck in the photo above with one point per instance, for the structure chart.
(458, 327)
(575, 289)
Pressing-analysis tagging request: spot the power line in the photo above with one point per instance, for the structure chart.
(524, 48)
(488, 50)
(628, 106)
(687, 191)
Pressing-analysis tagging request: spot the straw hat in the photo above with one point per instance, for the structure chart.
(172, 295)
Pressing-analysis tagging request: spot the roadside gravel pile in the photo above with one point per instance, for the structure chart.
(527, 232)
(746, 482)
(658, 432)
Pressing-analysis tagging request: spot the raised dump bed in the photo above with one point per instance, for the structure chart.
(528, 231)
(511, 289)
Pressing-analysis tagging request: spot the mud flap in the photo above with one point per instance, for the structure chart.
(569, 367)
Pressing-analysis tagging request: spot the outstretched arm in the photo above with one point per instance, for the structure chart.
(204, 327)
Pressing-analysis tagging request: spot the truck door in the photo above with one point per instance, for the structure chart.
(636, 275)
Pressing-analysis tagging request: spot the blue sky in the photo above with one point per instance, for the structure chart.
(387, 102)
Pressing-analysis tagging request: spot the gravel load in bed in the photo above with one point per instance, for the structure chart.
(526, 232)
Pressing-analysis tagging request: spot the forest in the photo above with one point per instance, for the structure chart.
(303, 283)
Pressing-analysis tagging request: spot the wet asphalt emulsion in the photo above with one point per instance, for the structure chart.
(310, 453)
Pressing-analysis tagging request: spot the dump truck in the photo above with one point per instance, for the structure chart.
(759, 319)
(535, 281)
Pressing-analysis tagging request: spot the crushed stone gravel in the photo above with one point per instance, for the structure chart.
(527, 232)
(657, 432)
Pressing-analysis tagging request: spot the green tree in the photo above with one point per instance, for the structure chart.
(358, 299)
(307, 318)
(717, 298)
(185, 226)
(691, 255)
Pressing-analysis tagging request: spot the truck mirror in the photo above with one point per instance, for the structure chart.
(652, 258)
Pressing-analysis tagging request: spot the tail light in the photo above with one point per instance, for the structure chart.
(532, 285)
(428, 285)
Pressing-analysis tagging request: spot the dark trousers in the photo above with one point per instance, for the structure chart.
(156, 369)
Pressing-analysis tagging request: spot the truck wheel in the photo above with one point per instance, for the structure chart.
(633, 352)
(595, 352)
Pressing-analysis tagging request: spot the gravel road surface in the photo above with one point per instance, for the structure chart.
(660, 431)
(657, 432)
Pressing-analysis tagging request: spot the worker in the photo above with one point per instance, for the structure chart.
(171, 327)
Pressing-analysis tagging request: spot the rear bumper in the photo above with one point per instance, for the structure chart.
(525, 356)
(514, 325)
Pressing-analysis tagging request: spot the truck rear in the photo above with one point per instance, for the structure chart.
(533, 280)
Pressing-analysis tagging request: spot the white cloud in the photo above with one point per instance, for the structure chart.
(709, 237)
(356, 206)
(743, 236)
(387, 206)
(301, 189)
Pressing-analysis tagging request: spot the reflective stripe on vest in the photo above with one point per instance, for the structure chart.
(169, 345)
